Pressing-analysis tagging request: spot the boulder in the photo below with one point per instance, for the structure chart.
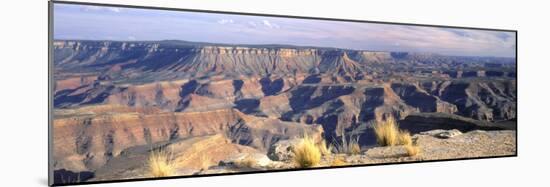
(449, 134)
(250, 160)
(444, 134)
(282, 150)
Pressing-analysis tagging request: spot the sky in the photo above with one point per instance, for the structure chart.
(86, 22)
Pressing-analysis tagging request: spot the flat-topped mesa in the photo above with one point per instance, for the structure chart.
(169, 60)
(370, 56)
(153, 46)
(283, 52)
(136, 60)
(105, 45)
(222, 49)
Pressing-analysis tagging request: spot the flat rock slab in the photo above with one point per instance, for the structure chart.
(253, 159)
(445, 134)
(467, 145)
(472, 144)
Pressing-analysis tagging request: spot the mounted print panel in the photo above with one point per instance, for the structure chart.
(153, 93)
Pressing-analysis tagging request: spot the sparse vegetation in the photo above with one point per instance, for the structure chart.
(160, 163)
(306, 153)
(355, 149)
(338, 161)
(347, 145)
(404, 138)
(388, 134)
(325, 150)
(412, 150)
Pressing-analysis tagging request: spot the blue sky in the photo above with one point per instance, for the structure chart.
(114, 23)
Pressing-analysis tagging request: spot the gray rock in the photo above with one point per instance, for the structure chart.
(186, 171)
(432, 132)
(444, 134)
(218, 170)
(282, 150)
(253, 160)
(449, 134)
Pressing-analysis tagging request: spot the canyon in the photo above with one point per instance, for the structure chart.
(115, 99)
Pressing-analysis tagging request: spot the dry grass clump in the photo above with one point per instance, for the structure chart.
(354, 149)
(338, 161)
(306, 153)
(348, 145)
(388, 134)
(404, 138)
(412, 150)
(160, 163)
(325, 150)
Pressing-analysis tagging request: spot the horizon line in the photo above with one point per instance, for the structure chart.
(275, 44)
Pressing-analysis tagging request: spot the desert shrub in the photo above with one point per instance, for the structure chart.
(306, 153)
(388, 134)
(160, 163)
(404, 138)
(412, 150)
(324, 148)
(347, 145)
(354, 149)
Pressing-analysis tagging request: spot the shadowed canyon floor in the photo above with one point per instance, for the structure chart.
(221, 108)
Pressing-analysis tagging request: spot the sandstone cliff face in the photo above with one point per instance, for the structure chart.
(88, 141)
(334, 106)
(195, 60)
(415, 96)
(188, 154)
(343, 107)
(159, 60)
(483, 100)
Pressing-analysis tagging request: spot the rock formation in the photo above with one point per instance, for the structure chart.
(115, 101)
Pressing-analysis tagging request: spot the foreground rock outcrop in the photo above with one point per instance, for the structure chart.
(237, 158)
(473, 144)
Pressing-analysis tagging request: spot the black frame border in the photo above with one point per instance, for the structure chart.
(50, 90)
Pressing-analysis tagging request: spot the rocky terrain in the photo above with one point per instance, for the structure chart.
(114, 102)
(473, 144)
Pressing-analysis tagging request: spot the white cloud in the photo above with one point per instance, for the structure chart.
(99, 8)
(247, 29)
(113, 9)
(270, 25)
(263, 24)
(253, 24)
(225, 21)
